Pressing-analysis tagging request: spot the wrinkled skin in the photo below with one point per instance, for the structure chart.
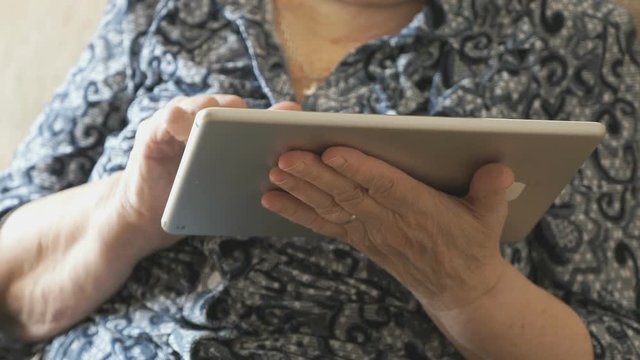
(442, 248)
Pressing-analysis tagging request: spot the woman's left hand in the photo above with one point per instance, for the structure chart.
(444, 249)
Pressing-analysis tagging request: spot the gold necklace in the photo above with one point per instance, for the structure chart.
(306, 75)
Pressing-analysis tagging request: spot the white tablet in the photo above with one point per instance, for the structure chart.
(224, 170)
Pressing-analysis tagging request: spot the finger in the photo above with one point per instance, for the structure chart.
(488, 191)
(179, 126)
(194, 104)
(382, 251)
(349, 195)
(387, 184)
(296, 211)
(173, 123)
(176, 119)
(286, 105)
(154, 140)
(230, 101)
(323, 204)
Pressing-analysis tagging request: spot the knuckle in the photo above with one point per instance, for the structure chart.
(233, 101)
(382, 186)
(194, 104)
(303, 168)
(316, 225)
(277, 178)
(171, 112)
(292, 212)
(344, 166)
(207, 101)
(353, 196)
(289, 184)
(168, 117)
(304, 155)
(380, 241)
(376, 243)
(333, 151)
(320, 226)
(329, 211)
(294, 161)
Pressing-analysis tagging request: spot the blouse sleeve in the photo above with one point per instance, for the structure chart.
(586, 249)
(68, 137)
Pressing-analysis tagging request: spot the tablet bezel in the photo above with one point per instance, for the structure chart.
(544, 155)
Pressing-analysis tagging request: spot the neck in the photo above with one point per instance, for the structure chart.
(353, 21)
(317, 34)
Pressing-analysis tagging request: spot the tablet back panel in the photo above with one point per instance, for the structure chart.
(224, 170)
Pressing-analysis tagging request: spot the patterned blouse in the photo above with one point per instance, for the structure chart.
(292, 298)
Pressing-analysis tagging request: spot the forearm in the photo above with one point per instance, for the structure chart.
(64, 255)
(517, 320)
(61, 257)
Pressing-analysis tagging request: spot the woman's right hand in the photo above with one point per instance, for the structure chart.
(94, 233)
(144, 186)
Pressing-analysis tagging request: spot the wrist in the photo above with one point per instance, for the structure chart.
(468, 327)
(123, 236)
(509, 282)
(515, 319)
(469, 288)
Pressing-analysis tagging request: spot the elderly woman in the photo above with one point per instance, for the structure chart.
(87, 273)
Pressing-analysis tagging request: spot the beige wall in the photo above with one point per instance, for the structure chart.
(39, 41)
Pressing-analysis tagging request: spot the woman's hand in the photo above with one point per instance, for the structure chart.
(94, 233)
(444, 249)
(159, 145)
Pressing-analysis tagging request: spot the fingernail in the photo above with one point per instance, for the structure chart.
(296, 168)
(336, 161)
(277, 178)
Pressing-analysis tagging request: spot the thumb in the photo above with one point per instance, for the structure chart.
(488, 191)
